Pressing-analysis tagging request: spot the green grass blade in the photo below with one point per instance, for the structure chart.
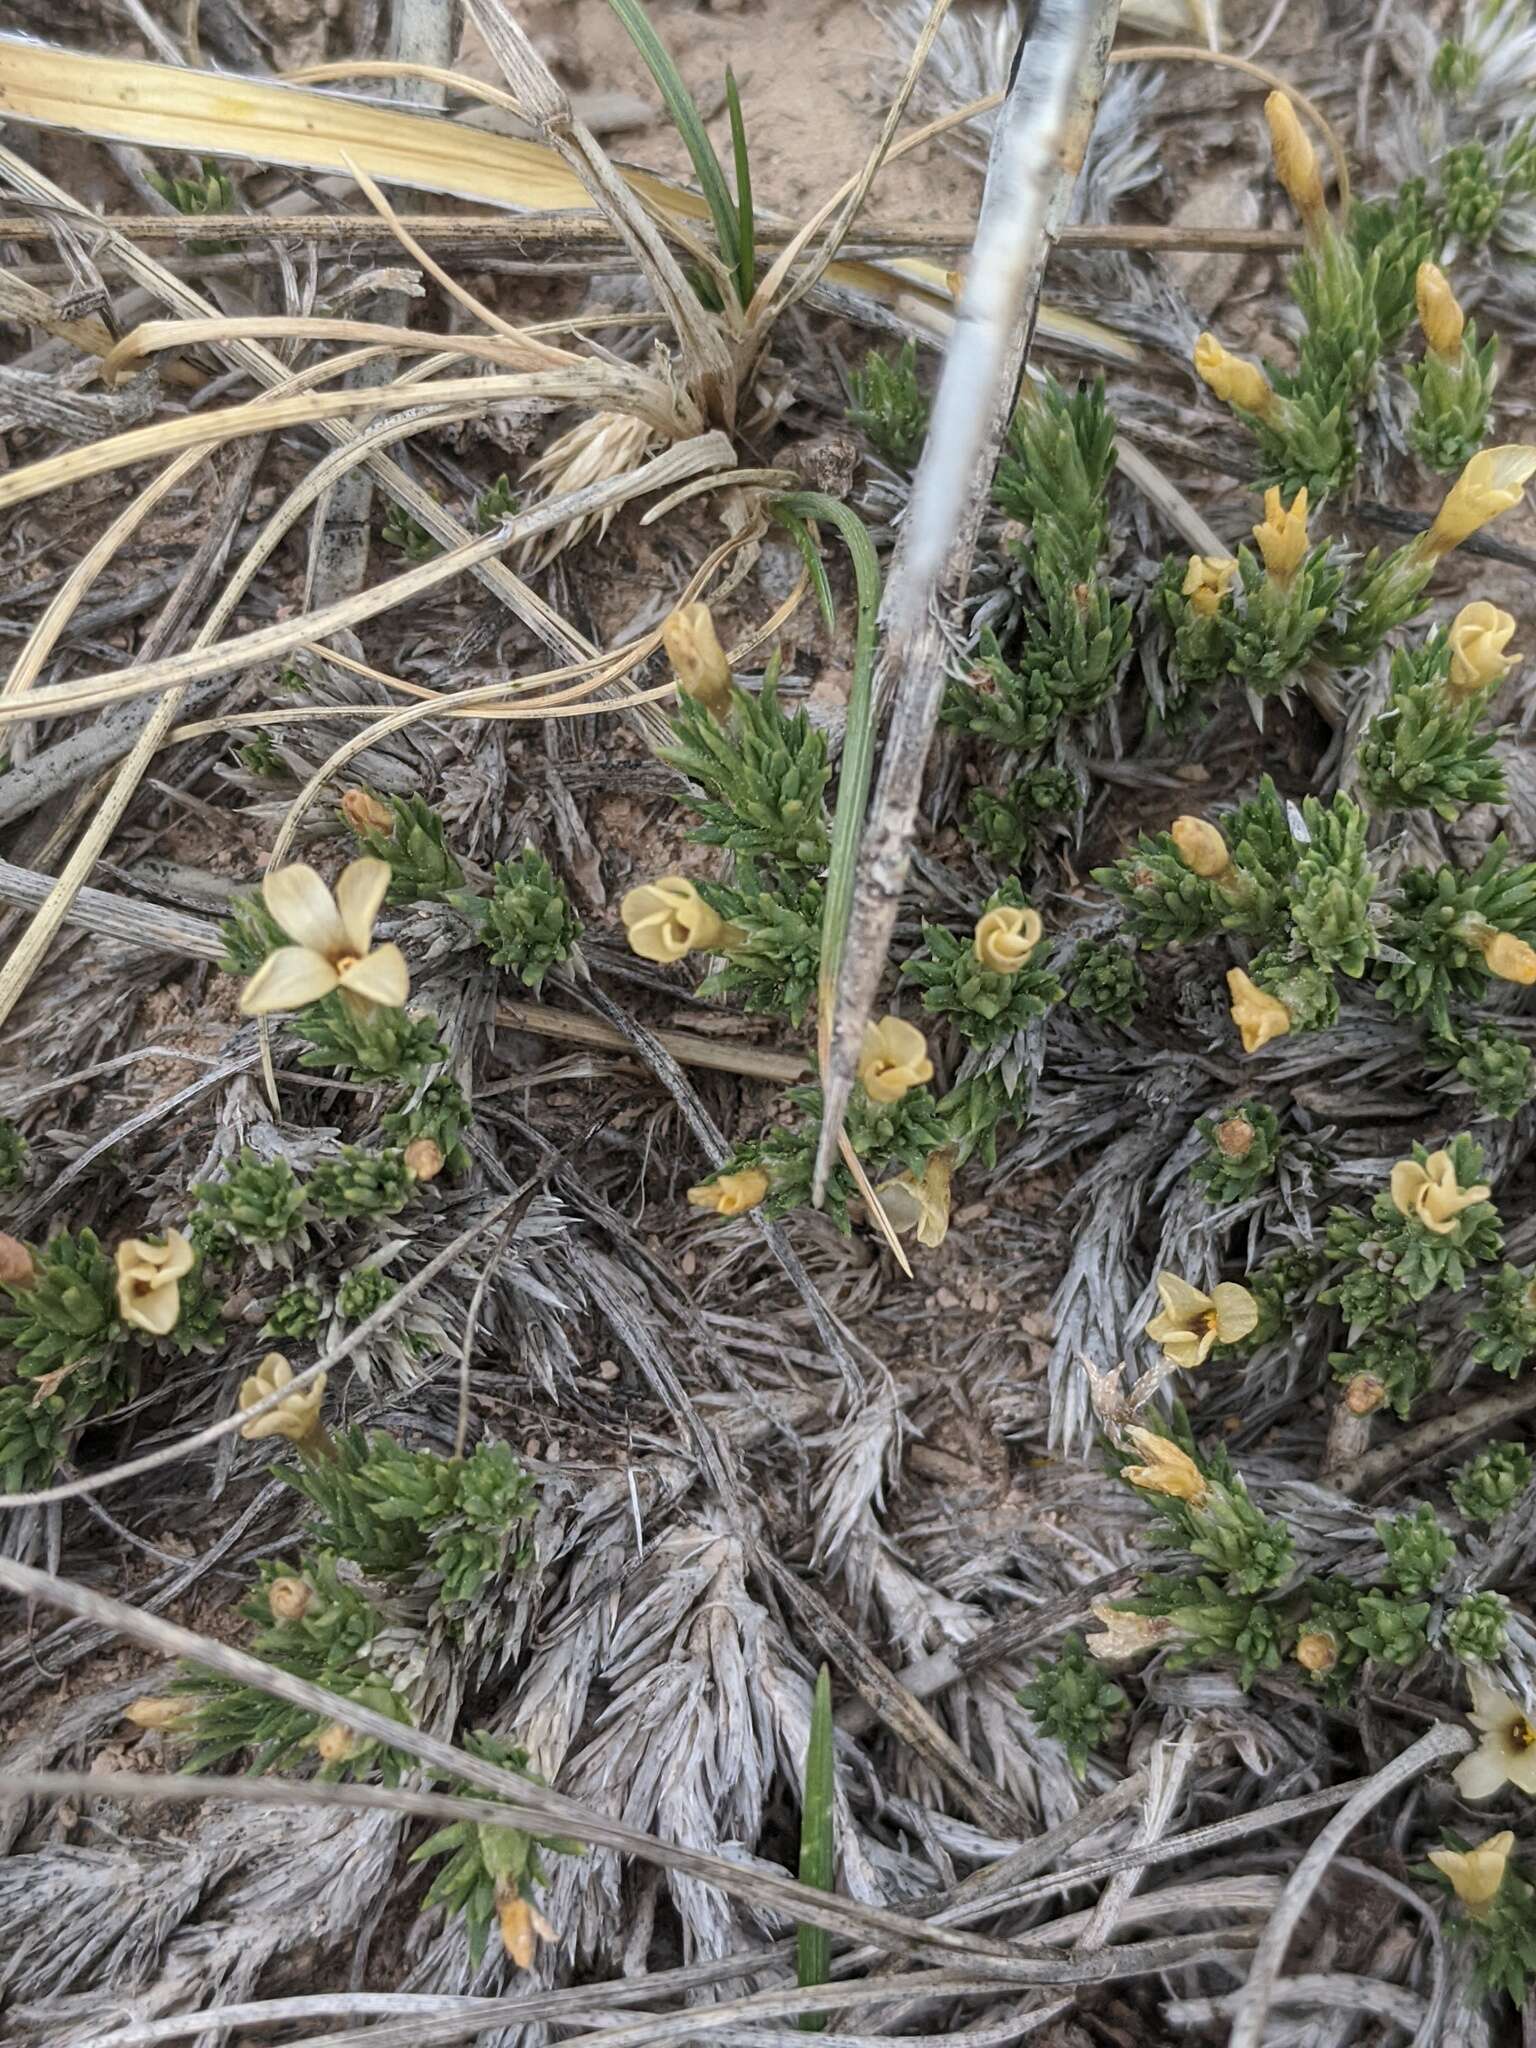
(683, 108)
(746, 251)
(859, 738)
(817, 1847)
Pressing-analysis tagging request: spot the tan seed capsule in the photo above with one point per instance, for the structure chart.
(1317, 1652)
(17, 1266)
(424, 1158)
(289, 1599)
(1364, 1394)
(365, 813)
(1234, 1137)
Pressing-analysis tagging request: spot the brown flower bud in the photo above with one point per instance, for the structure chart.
(289, 1599)
(365, 813)
(1364, 1394)
(1317, 1651)
(1234, 1137)
(424, 1158)
(17, 1266)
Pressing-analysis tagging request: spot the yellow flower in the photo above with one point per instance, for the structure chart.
(1282, 536)
(1430, 1194)
(1168, 1470)
(731, 1194)
(519, 1923)
(1493, 481)
(1233, 379)
(1479, 634)
(1200, 846)
(364, 812)
(894, 1058)
(1507, 1753)
(921, 1202)
(669, 918)
(1508, 958)
(297, 1418)
(694, 650)
(1006, 937)
(1258, 1016)
(333, 943)
(1192, 1323)
(1295, 161)
(1440, 314)
(1206, 580)
(1476, 1874)
(148, 1293)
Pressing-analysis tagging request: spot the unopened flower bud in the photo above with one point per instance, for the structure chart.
(1478, 636)
(694, 650)
(424, 1159)
(1201, 847)
(1364, 1394)
(1510, 959)
(1295, 161)
(1440, 314)
(159, 1714)
(1233, 379)
(1234, 1137)
(18, 1268)
(289, 1599)
(365, 813)
(1317, 1651)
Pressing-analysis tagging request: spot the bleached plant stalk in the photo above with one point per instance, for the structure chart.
(1038, 149)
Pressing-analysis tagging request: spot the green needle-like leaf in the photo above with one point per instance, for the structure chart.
(817, 1849)
(746, 253)
(683, 108)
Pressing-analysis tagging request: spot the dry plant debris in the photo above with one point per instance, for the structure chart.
(767, 1148)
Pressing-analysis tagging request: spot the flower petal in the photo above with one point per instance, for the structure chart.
(1408, 1177)
(179, 1257)
(1490, 1708)
(1520, 1770)
(305, 908)
(1481, 1774)
(359, 896)
(379, 977)
(1237, 1313)
(287, 980)
(156, 1311)
(1180, 1298)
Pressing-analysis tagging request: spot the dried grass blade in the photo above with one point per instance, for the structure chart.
(1037, 151)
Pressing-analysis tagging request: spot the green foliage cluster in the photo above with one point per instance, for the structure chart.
(258, 1206)
(1248, 1551)
(1506, 1323)
(1488, 1485)
(889, 407)
(1072, 1702)
(357, 1183)
(1502, 1935)
(414, 847)
(1243, 1147)
(13, 1156)
(774, 962)
(1262, 632)
(757, 779)
(1006, 827)
(888, 1138)
(986, 1007)
(526, 922)
(1107, 981)
(1424, 751)
(1419, 1551)
(438, 1111)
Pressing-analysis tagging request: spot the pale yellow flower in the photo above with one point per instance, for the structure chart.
(1476, 1874)
(1282, 534)
(1006, 937)
(1440, 314)
(333, 943)
(731, 1194)
(1190, 1324)
(1168, 1470)
(1479, 634)
(1295, 161)
(1493, 481)
(920, 1202)
(1125, 1635)
(365, 812)
(694, 650)
(1258, 1016)
(1430, 1194)
(148, 1277)
(893, 1059)
(519, 1923)
(297, 1418)
(666, 919)
(1317, 1651)
(1206, 581)
(1508, 958)
(1507, 1753)
(1233, 379)
(157, 1713)
(1200, 846)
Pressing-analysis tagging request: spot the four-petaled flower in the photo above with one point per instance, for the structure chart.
(731, 1194)
(297, 1417)
(1507, 1753)
(666, 919)
(1478, 636)
(920, 1201)
(1206, 581)
(148, 1277)
(1431, 1194)
(1476, 1874)
(894, 1058)
(1168, 1470)
(1005, 937)
(1258, 1015)
(332, 943)
(1282, 536)
(1493, 481)
(1191, 1323)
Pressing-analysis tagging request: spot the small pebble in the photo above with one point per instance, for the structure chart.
(607, 1369)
